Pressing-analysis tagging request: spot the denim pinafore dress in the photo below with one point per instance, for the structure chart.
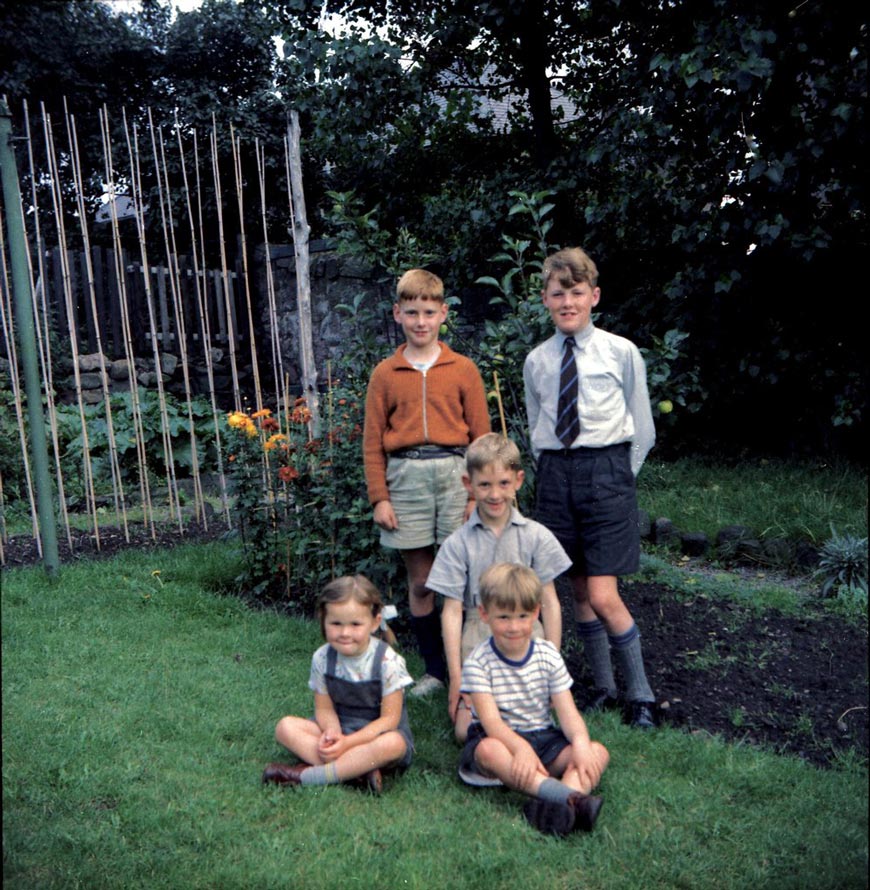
(359, 703)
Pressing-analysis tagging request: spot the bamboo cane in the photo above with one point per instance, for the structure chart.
(274, 338)
(6, 320)
(126, 329)
(237, 167)
(181, 330)
(57, 203)
(499, 403)
(224, 270)
(43, 321)
(136, 183)
(4, 537)
(205, 323)
(204, 333)
(115, 464)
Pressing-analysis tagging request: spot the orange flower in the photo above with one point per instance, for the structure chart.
(288, 474)
(269, 424)
(238, 419)
(272, 442)
(263, 412)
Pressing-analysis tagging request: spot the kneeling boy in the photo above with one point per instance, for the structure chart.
(495, 532)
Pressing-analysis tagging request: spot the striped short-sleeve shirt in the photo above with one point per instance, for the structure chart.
(522, 689)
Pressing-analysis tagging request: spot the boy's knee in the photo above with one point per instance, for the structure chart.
(487, 750)
(602, 754)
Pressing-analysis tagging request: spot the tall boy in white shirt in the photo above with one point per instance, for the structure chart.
(591, 426)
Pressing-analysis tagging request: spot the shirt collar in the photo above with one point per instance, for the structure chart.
(516, 518)
(581, 338)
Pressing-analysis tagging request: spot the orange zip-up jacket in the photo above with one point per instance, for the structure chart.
(405, 407)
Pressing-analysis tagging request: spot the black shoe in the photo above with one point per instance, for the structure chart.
(642, 714)
(550, 817)
(586, 809)
(599, 700)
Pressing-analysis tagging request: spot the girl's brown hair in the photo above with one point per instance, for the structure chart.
(340, 590)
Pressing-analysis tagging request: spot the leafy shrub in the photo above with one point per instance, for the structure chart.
(173, 416)
(303, 515)
(843, 566)
(11, 464)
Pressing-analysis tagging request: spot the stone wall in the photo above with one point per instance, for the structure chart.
(334, 279)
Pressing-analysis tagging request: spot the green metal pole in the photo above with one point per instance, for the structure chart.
(27, 341)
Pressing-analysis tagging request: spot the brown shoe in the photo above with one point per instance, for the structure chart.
(586, 808)
(284, 773)
(374, 781)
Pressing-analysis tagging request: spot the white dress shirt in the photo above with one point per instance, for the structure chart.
(613, 400)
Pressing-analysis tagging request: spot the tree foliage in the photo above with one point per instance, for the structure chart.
(709, 155)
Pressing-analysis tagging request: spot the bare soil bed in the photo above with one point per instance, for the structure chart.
(795, 685)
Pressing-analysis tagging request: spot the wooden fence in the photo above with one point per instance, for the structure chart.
(213, 310)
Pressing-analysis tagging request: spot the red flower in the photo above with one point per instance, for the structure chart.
(288, 474)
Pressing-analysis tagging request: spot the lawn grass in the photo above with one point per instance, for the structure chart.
(138, 712)
(795, 500)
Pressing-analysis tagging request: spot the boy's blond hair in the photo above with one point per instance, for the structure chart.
(492, 448)
(340, 590)
(509, 585)
(570, 266)
(420, 283)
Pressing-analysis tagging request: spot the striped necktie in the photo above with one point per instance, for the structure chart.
(567, 419)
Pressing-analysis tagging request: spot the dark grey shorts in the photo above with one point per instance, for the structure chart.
(548, 744)
(587, 498)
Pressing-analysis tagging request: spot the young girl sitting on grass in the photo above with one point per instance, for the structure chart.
(360, 723)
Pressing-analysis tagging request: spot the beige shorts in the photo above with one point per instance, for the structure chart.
(428, 498)
(475, 631)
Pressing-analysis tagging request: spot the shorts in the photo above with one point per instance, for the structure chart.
(475, 630)
(428, 498)
(350, 724)
(587, 498)
(548, 744)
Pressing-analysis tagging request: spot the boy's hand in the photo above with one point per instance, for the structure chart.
(524, 766)
(588, 767)
(469, 509)
(385, 518)
(454, 699)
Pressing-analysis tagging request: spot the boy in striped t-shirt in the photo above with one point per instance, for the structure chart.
(515, 682)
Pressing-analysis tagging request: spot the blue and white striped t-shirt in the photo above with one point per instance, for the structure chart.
(522, 689)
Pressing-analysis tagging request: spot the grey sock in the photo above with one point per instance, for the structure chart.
(596, 646)
(554, 791)
(319, 775)
(626, 649)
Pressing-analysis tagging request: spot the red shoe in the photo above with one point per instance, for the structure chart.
(284, 773)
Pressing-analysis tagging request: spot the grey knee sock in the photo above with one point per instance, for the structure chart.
(554, 791)
(319, 775)
(626, 649)
(596, 645)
